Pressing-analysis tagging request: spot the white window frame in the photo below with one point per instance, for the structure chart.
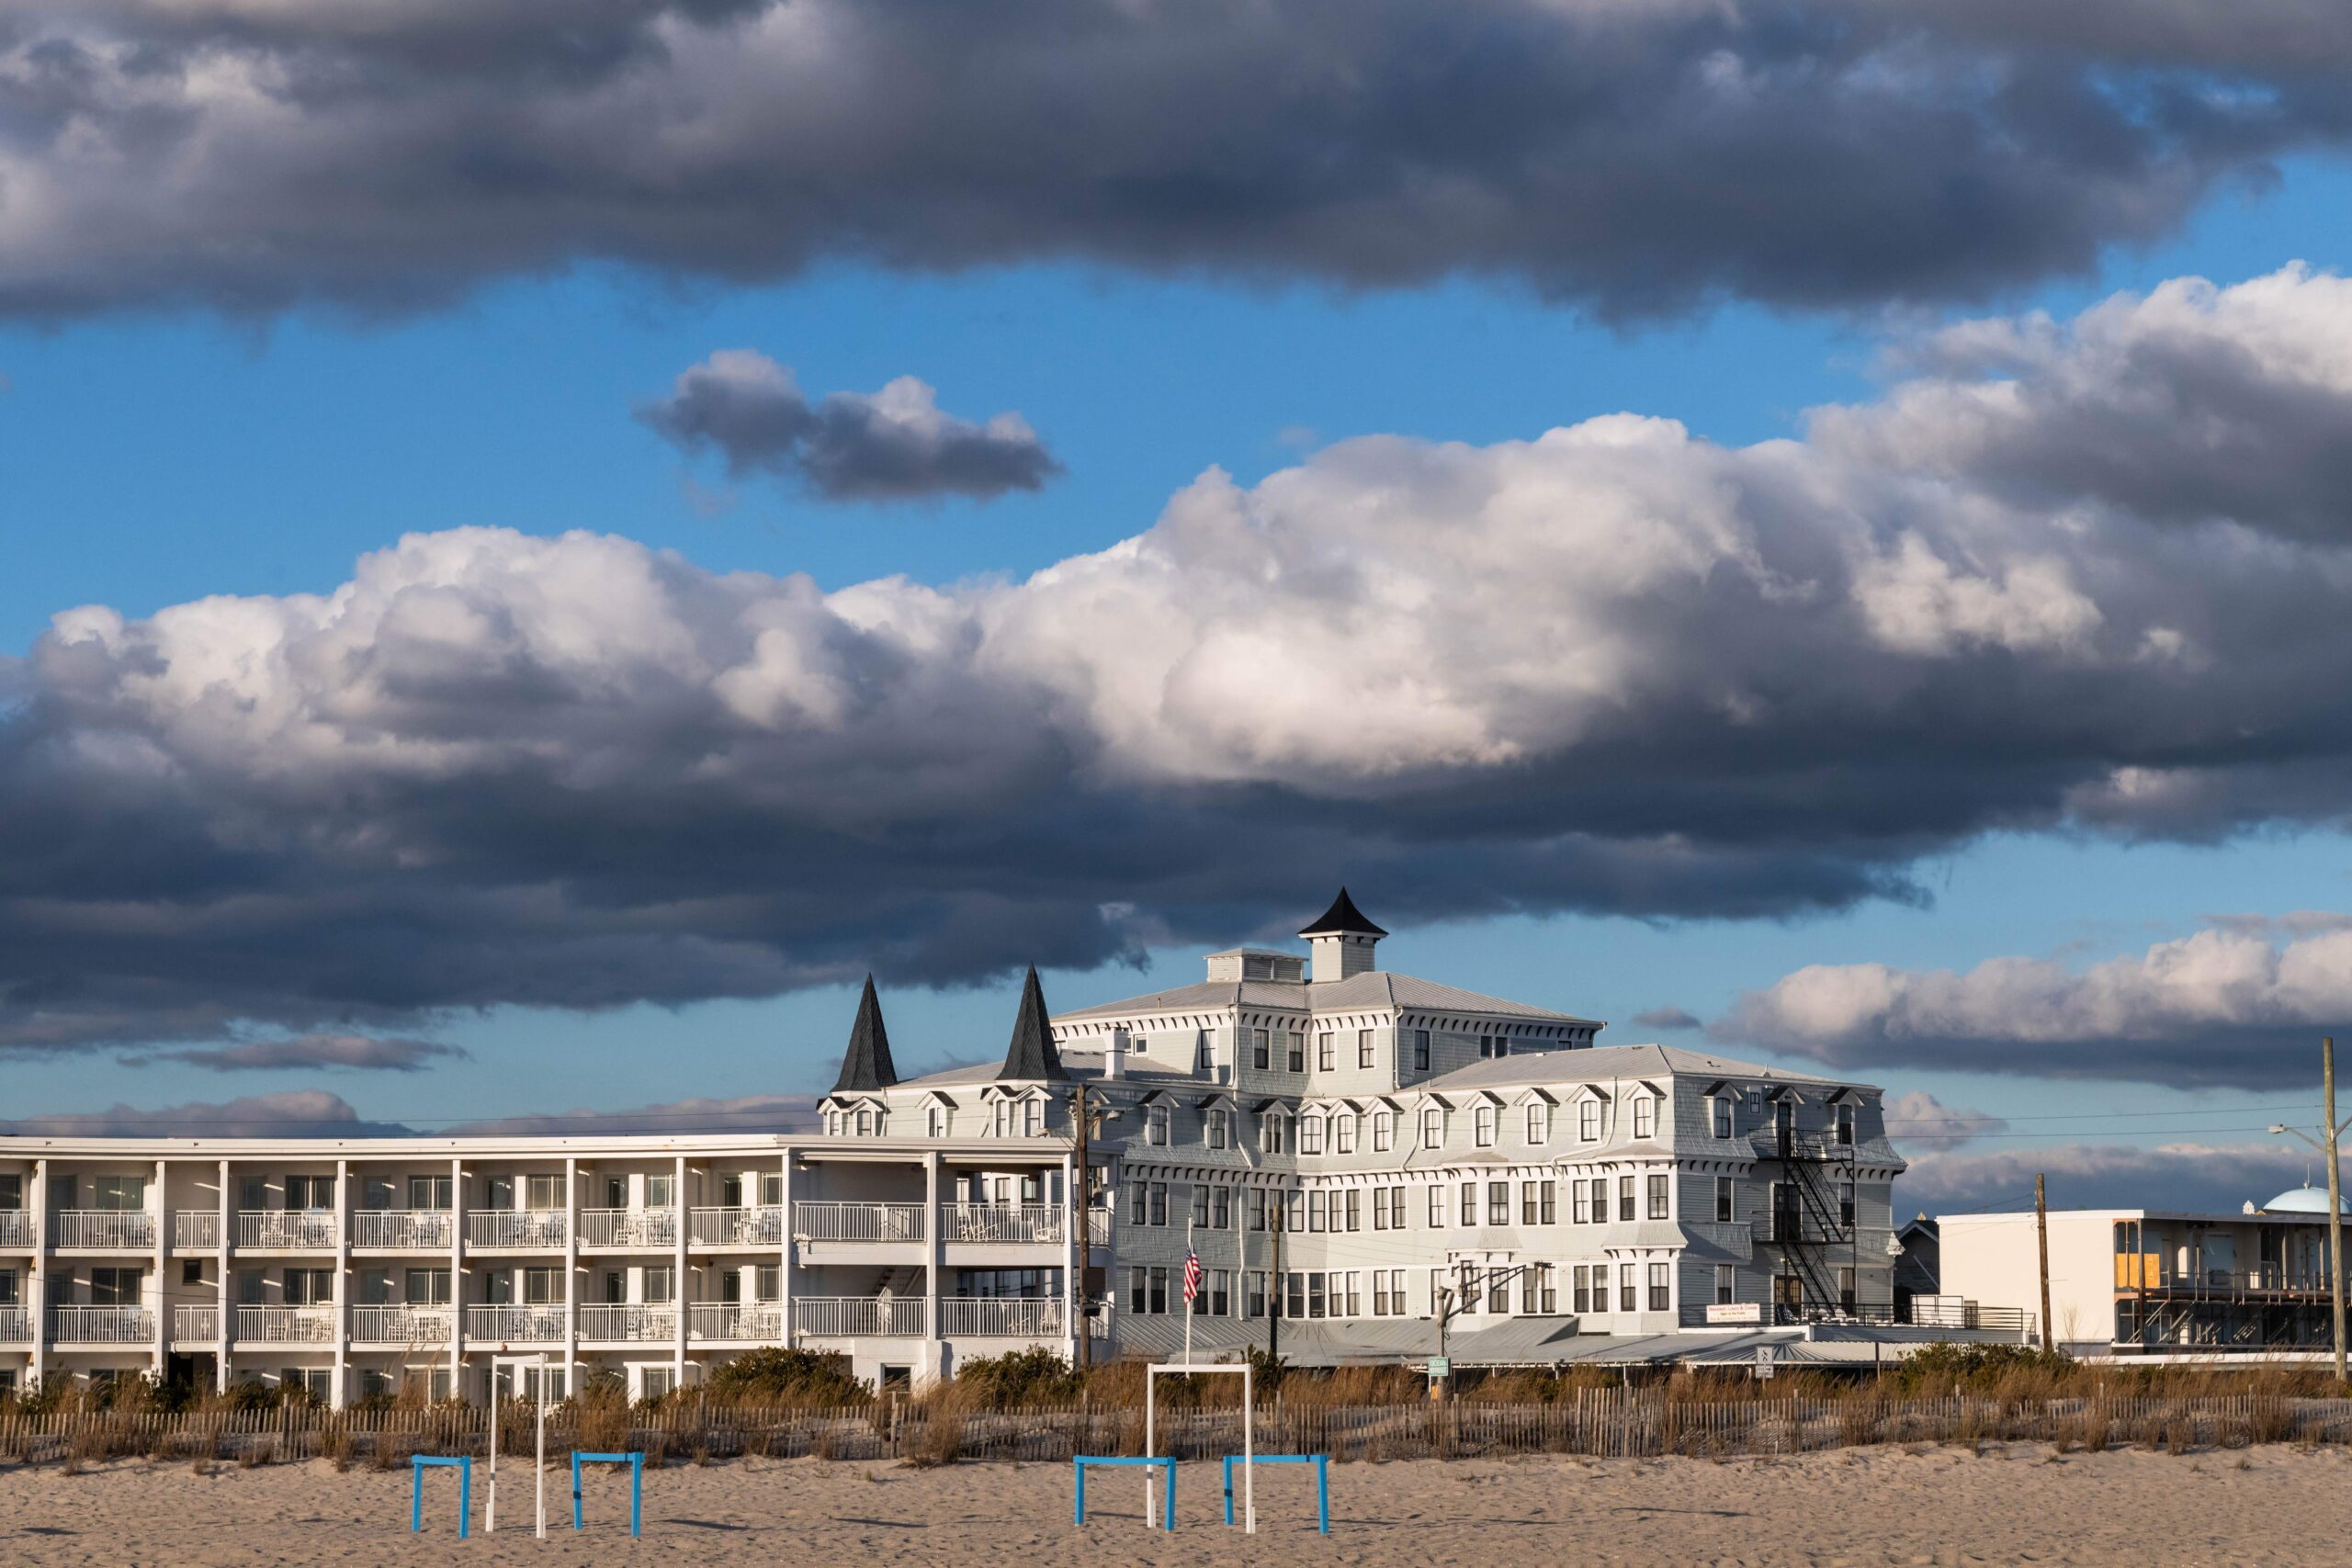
(1156, 1126)
(1310, 1135)
(1539, 1123)
(1482, 1126)
(1590, 1128)
(1433, 1126)
(1383, 1130)
(1644, 1116)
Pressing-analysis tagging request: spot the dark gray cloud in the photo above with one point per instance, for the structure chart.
(1613, 669)
(2233, 1005)
(250, 155)
(1665, 1018)
(295, 1113)
(2214, 1179)
(358, 1053)
(1918, 1123)
(893, 445)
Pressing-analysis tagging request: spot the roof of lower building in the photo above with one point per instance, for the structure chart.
(1538, 1068)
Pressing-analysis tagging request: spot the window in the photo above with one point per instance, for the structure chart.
(1155, 1126)
(1661, 1287)
(1318, 1209)
(1719, 1114)
(1588, 1122)
(1317, 1302)
(1353, 1206)
(1727, 1201)
(1258, 1209)
(1846, 1289)
(1201, 1204)
(1498, 1202)
(1539, 1123)
(1214, 1124)
(1485, 1126)
(660, 1191)
(1138, 1289)
(934, 1122)
(1158, 1293)
(865, 1124)
(1383, 1130)
(1294, 1294)
(1626, 1299)
(310, 1287)
(1343, 1135)
(542, 1286)
(191, 1273)
(1538, 1204)
(1310, 1135)
(1437, 1208)
(768, 1282)
(1579, 1291)
(1221, 1208)
(1158, 1199)
(1326, 1050)
(1539, 1294)
(309, 1193)
(1433, 1126)
(1261, 1049)
(1217, 1294)
(1363, 1050)
(1253, 1293)
(425, 1287)
(772, 1189)
(1499, 1290)
(1580, 1204)
(117, 1194)
(1626, 1198)
(1033, 1117)
(1490, 1045)
(1380, 1299)
(1727, 1284)
(1658, 1193)
(1269, 1133)
(1600, 1185)
(1420, 1052)
(1137, 1201)
(1845, 1205)
(661, 1283)
(1644, 1116)
(1846, 1124)
(543, 1192)
(1353, 1295)
(1293, 1211)
(1785, 1226)
(1203, 1054)
(1297, 1053)
(1468, 1210)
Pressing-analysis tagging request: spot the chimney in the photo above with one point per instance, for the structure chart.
(1341, 942)
(1114, 1056)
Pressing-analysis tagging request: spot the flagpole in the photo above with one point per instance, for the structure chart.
(1189, 1255)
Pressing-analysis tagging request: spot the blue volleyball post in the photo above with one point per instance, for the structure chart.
(1165, 1463)
(1322, 1463)
(635, 1463)
(464, 1466)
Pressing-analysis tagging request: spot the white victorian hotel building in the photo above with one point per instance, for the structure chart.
(1369, 1165)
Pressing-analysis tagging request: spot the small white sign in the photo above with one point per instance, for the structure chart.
(1765, 1355)
(1735, 1312)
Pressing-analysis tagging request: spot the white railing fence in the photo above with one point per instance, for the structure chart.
(402, 1324)
(655, 1323)
(629, 1228)
(106, 1229)
(404, 1230)
(516, 1228)
(308, 1230)
(101, 1325)
(843, 1317)
(196, 1230)
(738, 1228)
(200, 1324)
(286, 1324)
(16, 1325)
(1002, 1317)
(858, 1222)
(1014, 1222)
(763, 1321)
(515, 1325)
(16, 1227)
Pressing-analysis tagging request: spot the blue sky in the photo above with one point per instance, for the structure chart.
(160, 453)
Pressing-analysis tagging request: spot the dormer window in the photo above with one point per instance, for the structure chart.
(1846, 1124)
(1215, 1126)
(1033, 1117)
(1539, 1123)
(1644, 1116)
(1270, 1134)
(1719, 1113)
(1310, 1135)
(1588, 1122)
(1156, 1123)
(1485, 1127)
(1383, 1130)
(1343, 1135)
(934, 1122)
(864, 1121)
(1433, 1126)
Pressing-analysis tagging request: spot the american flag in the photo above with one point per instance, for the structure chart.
(1192, 1275)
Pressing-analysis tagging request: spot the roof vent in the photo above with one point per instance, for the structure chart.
(1340, 943)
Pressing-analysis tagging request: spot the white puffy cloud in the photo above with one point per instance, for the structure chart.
(2218, 1178)
(1916, 1122)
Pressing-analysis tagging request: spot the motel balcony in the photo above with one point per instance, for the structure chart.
(515, 1230)
(16, 1229)
(402, 1324)
(1003, 1319)
(625, 1230)
(285, 1230)
(285, 1325)
(629, 1324)
(105, 1230)
(196, 1325)
(759, 1323)
(515, 1325)
(1003, 1225)
(402, 1230)
(101, 1325)
(858, 1317)
(196, 1230)
(16, 1325)
(747, 1228)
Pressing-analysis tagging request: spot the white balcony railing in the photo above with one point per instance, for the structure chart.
(518, 1228)
(402, 1324)
(515, 1325)
(16, 1227)
(738, 1228)
(105, 1230)
(195, 1325)
(1014, 1222)
(629, 1228)
(847, 1317)
(654, 1323)
(101, 1325)
(196, 1230)
(762, 1320)
(285, 1325)
(285, 1230)
(1003, 1319)
(404, 1230)
(857, 1222)
(15, 1326)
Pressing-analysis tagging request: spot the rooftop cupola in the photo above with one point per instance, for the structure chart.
(866, 1064)
(1032, 1057)
(1341, 942)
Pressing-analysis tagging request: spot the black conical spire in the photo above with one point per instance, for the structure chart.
(1343, 918)
(1032, 1054)
(866, 1064)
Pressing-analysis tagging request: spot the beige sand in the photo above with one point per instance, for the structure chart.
(2009, 1505)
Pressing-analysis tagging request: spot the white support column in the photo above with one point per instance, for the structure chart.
(221, 1326)
(935, 1255)
(1073, 1249)
(457, 1279)
(784, 1259)
(570, 1277)
(36, 1287)
(338, 1383)
(162, 1259)
(680, 1196)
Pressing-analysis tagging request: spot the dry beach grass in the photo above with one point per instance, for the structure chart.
(1953, 1504)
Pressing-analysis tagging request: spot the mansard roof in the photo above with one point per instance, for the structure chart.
(1602, 1062)
(866, 1064)
(1376, 990)
(1031, 1055)
(1342, 918)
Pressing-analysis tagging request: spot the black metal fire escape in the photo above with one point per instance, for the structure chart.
(1812, 1212)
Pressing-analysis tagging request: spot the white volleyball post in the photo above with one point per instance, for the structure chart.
(538, 1403)
(1248, 1434)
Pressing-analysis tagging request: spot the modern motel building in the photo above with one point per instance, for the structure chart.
(1368, 1165)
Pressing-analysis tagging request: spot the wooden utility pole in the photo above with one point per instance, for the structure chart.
(2334, 1202)
(1081, 1226)
(1275, 1287)
(2041, 1241)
